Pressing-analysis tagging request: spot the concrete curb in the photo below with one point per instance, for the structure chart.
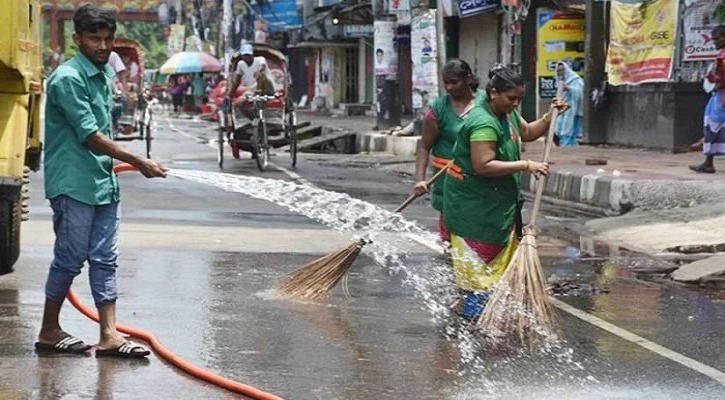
(606, 192)
(370, 142)
(701, 271)
(593, 190)
(623, 195)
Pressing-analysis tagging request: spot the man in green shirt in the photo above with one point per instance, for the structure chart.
(82, 187)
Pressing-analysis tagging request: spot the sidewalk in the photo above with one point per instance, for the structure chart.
(654, 202)
(631, 178)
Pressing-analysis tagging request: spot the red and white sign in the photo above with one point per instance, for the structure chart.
(698, 24)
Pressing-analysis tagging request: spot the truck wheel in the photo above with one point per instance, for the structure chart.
(10, 216)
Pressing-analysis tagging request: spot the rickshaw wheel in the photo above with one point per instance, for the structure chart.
(220, 139)
(147, 135)
(140, 128)
(260, 149)
(292, 131)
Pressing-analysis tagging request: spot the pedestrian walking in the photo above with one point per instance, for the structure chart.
(714, 116)
(179, 84)
(482, 193)
(441, 123)
(82, 187)
(569, 125)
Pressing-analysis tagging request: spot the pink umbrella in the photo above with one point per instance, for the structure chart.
(188, 62)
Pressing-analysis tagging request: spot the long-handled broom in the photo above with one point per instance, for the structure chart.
(519, 305)
(315, 279)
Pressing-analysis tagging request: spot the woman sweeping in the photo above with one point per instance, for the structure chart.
(482, 195)
(569, 125)
(714, 120)
(441, 124)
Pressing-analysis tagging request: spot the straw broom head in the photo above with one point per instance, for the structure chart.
(519, 306)
(316, 279)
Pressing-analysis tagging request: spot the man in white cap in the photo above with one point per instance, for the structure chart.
(248, 71)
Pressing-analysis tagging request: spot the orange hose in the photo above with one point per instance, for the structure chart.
(163, 352)
(123, 167)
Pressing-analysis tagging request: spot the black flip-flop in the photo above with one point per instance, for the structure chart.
(68, 345)
(702, 169)
(125, 350)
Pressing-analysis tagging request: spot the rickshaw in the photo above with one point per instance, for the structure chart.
(274, 120)
(136, 119)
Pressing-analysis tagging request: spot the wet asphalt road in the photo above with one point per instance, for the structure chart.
(198, 264)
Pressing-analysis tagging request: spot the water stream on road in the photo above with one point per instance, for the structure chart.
(553, 361)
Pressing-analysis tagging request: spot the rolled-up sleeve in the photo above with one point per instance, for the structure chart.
(71, 96)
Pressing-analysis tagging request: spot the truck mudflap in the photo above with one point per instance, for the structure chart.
(11, 214)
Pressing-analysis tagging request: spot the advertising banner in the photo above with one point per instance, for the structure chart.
(281, 15)
(424, 55)
(401, 9)
(642, 41)
(395, 6)
(560, 37)
(177, 37)
(386, 53)
(698, 24)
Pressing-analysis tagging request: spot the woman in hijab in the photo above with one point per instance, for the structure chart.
(569, 125)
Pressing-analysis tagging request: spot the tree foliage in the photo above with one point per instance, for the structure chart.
(719, 13)
(150, 36)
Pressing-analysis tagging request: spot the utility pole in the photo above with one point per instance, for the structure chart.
(386, 63)
(441, 44)
(226, 32)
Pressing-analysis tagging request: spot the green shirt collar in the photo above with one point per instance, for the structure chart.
(90, 69)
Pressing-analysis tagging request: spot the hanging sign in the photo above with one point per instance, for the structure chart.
(469, 8)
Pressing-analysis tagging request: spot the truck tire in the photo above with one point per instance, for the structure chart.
(10, 217)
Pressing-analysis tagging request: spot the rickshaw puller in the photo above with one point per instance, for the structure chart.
(249, 71)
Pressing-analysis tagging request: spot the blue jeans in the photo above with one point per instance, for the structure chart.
(83, 233)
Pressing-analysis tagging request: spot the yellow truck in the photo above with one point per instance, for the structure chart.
(20, 101)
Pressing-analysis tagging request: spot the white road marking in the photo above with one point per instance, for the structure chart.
(688, 362)
(292, 175)
(683, 360)
(180, 132)
(213, 144)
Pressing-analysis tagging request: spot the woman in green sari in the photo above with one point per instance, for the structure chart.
(483, 193)
(441, 123)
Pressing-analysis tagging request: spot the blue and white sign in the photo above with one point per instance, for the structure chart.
(326, 3)
(281, 15)
(469, 8)
(358, 30)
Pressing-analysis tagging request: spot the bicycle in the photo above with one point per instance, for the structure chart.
(260, 140)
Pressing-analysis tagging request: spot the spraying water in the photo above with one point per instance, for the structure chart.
(432, 281)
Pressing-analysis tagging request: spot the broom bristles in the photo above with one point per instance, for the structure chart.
(519, 306)
(317, 278)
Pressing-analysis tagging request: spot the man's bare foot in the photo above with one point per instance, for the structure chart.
(51, 336)
(111, 342)
(117, 346)
(58, 341)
